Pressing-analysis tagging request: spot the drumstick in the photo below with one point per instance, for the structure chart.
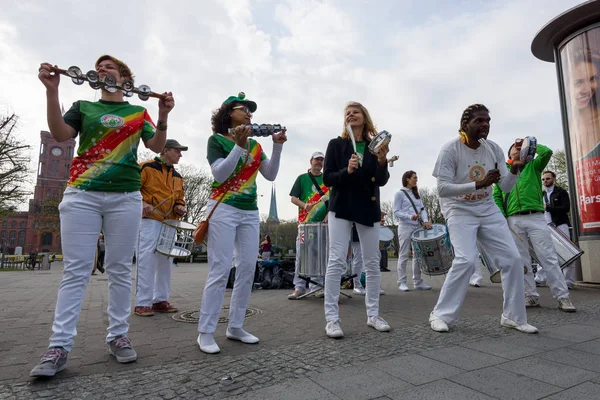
(349, 130)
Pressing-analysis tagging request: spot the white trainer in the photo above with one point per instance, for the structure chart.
(207, 343)
(402, 287)
(334, 330)
(566, 305)
(422, 286)
(378, 324)
(241, 335)
(437, 324)
(525, 328)
(359, 291)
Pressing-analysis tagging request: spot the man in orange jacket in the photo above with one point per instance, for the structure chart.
(162, 192)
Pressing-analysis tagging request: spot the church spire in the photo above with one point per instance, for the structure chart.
(273, 218)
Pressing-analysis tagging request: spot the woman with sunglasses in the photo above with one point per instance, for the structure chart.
(354, 175)
(233, 232)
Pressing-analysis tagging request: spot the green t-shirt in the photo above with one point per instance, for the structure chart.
(242, 192)
(109, 136)
(305, 190)
(360, 152)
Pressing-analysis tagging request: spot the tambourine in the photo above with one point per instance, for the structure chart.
(527, 148)
(108, 83)
(383, 138)
(262, 130)
(390, 161)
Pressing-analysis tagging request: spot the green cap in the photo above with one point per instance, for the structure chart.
(241, 98)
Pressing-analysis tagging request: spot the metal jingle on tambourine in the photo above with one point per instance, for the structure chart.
(96, 85)
(382, 139)
(127, 93)
(92, 76)
(127, 85)
(144, 89)
(110, 80)
(74, 72)
(143, 97)
(77, 81)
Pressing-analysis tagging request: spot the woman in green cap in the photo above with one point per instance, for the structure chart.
(235, 161)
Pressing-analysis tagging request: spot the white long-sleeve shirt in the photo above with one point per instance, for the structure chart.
(222, 168)
(458, 169)
(403, 209)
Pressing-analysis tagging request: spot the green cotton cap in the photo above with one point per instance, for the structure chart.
(241, 98)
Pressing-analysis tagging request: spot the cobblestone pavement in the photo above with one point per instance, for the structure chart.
(477, 359)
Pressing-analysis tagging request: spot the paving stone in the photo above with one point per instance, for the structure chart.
(575, 358)
(417, 369)
(464, 358)
(557, 374)
(587, 391)
(573, 333)
(505, 385)
(302, 389)
(439, 390)
(502, 347)
(592, 346)
(359, 382)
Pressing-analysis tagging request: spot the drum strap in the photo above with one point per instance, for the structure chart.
(321, 192)
(414, 207)
(545, 194)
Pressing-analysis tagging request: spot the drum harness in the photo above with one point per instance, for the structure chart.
(414, 207)
(318, 187)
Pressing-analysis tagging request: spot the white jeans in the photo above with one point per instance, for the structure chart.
(405, 243)
(230, 229)
(535, 227)
(83, 215)
(357, 264)
(153, 272)
(477, 277)
(340, 233)
(494, 235)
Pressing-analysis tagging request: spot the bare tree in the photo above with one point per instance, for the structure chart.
(196, 188)
(14, 166)
(431, 202)
(387, 207)
(558, 165)
(145, 154)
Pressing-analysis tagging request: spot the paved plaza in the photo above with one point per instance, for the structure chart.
(477, 359)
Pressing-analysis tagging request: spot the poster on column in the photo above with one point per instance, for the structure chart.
(580, 60)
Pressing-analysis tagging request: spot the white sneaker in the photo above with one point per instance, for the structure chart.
(532, 301)
(525, 328)
(422, 286)
(437, 324)
(474, 284)
(359, 291)
(241, 335)
(378, 323)
(381, 292)
(402, 287)
(207, 343)
(334, 330)
(565, 305)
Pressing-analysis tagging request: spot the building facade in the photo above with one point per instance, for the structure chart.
(38, 229)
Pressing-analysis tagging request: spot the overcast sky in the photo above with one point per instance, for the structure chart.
(414, 64)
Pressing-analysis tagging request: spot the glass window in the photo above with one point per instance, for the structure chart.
(21, 241)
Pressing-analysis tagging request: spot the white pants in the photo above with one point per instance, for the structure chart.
(340, 233)
(477, 277)
(300, 284)
(153, 273)
(493, 234)
(83, 215)
(535, 227)
(230, 229)
(357, 264)
(405, 243)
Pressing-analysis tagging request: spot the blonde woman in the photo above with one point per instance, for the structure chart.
(354, 176)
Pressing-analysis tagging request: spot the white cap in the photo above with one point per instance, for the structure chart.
(317, 154)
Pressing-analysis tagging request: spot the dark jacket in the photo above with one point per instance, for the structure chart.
(353, 197)
(559, 206)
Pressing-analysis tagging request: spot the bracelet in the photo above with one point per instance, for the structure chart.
(161, 125)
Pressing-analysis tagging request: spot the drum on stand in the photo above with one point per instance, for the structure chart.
(433, 250)
(314, 249)
(175, 239)
(566, 251)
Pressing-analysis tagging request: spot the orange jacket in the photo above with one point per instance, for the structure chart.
(160, 181)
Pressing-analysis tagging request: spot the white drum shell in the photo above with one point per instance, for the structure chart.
(175, 239)
(314, 249)
(566, 251)
(433, 250)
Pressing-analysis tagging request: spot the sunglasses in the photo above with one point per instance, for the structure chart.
(243, 108)
(547, 179)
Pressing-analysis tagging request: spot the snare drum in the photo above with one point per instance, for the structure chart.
(175, 239)
(386, 235)
(433, 250)
(314, 249)
(495, 276)
(566, 251)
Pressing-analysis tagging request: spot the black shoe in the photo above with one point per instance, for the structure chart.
(100, 268)
(385, 270)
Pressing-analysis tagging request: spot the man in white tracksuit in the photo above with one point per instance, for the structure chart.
(466, 200)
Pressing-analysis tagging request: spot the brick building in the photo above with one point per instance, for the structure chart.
(38, 228)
